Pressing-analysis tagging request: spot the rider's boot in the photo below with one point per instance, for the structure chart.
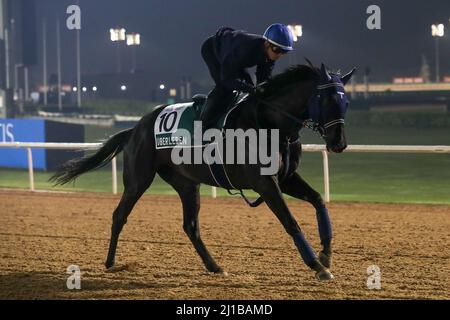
(214, 107)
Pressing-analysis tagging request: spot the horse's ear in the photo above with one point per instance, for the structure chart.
(324, 72)
(348, 76)
(309, 62)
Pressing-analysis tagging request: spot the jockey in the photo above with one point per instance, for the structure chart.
(229, 52)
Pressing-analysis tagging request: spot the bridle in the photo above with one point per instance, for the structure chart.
(318, 96)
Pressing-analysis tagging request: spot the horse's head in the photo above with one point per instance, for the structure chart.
(328, 107)
(304, 93)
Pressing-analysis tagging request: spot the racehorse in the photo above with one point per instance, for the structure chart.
(300, 95)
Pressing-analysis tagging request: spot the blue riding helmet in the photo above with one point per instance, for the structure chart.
(279, 35)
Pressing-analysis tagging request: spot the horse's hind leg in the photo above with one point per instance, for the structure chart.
(129, 198)
(296, 187)
(137, 177)
(190, 197)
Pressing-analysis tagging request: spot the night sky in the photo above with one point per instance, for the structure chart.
(172, 32)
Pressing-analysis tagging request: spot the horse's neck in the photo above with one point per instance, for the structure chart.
(252, 114)
(296, 103)
(292, 108)
(251, 117)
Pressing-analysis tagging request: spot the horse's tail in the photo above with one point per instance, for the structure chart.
(76, 167)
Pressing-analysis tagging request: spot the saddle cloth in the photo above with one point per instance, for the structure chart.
(176, 120)
(174, 128)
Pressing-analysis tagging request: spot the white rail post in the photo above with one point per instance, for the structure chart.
(114, 175)
(214, 192)
(326, 176)
(30, 168)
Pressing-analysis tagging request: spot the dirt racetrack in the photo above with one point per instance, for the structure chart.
(41, 234)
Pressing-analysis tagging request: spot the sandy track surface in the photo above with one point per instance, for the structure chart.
(41, 234)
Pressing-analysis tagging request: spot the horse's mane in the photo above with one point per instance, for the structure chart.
(293, 74)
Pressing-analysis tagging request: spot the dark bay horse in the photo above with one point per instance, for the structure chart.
(284, 102)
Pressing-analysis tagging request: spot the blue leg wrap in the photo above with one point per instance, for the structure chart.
(325, 228)
(306, 252)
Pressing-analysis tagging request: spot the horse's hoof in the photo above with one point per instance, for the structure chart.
(324, 275)
(130, 267)
(325, 259)
(219, 271)
(214, 268)
(109, 265)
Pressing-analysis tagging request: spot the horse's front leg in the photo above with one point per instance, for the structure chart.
(296, 187)
(268, 188)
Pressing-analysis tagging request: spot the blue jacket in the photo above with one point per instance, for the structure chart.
(237, 50)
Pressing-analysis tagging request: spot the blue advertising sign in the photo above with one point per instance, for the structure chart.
(22, 130)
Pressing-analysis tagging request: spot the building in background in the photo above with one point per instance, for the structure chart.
(138, 86)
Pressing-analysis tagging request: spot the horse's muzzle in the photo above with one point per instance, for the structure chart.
(336, 141)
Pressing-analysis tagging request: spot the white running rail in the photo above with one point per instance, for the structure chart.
(306, 147)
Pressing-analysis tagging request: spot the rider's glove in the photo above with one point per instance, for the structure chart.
(259, 90)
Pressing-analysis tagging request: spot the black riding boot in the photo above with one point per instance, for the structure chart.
(214, 107)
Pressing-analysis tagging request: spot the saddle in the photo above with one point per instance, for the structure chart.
(228, 116)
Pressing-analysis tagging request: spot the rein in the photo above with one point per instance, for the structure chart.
(300, 122)
(312, 124)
